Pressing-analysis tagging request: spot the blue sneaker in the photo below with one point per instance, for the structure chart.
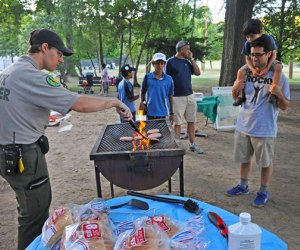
(238, 190)
(260, 199)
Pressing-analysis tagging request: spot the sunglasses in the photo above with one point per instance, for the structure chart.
(258, 55)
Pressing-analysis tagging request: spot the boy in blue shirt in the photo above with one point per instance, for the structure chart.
(158, 88)
(125, 89)
(252, 30)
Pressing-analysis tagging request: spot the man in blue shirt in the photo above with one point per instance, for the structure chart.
(159, 89)
(126, 91)
(256, 126)
(181, 67)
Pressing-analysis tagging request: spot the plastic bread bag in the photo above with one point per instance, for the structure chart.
(123, 226)
(191, 235)
(90, 211)
(88, 235)
(146, 237)
(55, 224)
(168, 225)
(196, 224)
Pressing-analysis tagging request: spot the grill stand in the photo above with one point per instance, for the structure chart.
(99, 190)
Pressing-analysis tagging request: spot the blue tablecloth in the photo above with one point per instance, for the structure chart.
(176, 211)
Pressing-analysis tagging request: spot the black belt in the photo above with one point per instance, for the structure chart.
(24, 147)
(150, 117)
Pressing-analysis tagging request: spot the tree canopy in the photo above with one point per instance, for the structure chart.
(131, 31)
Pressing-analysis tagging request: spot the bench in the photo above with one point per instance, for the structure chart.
(87, 89)
(96, 81)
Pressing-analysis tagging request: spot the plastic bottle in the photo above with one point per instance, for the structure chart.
(244, 235)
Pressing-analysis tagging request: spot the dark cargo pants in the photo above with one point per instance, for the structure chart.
(33, 205)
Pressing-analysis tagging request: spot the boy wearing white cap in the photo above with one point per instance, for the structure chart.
(157, 91)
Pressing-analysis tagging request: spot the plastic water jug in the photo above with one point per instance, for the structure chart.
(244, 235)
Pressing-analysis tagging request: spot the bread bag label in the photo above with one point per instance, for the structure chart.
(91, 230)
(160, 221)
(137, 238)
(57, 213)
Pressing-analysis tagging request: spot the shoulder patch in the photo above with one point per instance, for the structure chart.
(52, 82)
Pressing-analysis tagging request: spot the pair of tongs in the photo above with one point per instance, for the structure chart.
(132, 123)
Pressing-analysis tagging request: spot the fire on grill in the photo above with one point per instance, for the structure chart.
(135, 164)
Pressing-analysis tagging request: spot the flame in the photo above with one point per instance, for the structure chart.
(141, 144)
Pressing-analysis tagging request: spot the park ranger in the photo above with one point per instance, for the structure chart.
(27, 95)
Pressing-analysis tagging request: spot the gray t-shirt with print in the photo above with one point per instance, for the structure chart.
(27, 95)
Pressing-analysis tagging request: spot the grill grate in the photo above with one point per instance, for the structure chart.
(110, 141)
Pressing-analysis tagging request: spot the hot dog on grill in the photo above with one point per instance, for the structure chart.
(126, 138)
(152, 131)
(154, 136)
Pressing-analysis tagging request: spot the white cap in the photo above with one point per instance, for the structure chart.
(245, 217)
(159, 56)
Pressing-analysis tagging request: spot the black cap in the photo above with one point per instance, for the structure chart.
(127, 68)
(41, 36)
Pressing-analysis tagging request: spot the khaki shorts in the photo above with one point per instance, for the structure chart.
(246, 146)
(184, 109)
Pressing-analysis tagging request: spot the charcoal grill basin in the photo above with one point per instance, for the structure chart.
(141, 169)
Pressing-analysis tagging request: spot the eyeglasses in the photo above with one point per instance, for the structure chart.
(258, 55)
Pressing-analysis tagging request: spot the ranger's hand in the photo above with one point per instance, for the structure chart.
(124, 111)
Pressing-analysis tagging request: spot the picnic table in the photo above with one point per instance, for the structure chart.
(208, 106)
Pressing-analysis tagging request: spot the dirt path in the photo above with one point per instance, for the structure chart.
(206, 176)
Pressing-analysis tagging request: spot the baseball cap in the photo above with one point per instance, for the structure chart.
(41, 36)
(127, 68)
(159, 56)
(181, 44)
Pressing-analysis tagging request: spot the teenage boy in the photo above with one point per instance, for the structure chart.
(252, 30)
(126, 90)
(158, 88)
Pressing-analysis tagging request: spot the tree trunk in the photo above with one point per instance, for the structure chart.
(95, 72)
(237, 13)
(135, 82)
(100, 48)
(205, 37)
(148, 62)
(121, 51)
(69, 63)
(281, 30)
(130, 40)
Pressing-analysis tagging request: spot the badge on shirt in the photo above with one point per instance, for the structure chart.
(52, 82)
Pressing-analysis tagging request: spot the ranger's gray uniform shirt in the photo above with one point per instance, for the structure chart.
(27, 95)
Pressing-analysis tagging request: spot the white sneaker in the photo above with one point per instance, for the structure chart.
(195, 148)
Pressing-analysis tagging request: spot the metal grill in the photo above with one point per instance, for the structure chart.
(111, 137)
(141, 169)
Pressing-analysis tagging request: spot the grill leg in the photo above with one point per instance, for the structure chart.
(112, 190)
(170, 185)
(181, 181)
(98, 183)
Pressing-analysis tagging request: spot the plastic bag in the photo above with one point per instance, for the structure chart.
(144, 235)
(55, 224)
(191, 235)
(89, 235)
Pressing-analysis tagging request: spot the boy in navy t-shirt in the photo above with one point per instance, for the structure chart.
(126, 90)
